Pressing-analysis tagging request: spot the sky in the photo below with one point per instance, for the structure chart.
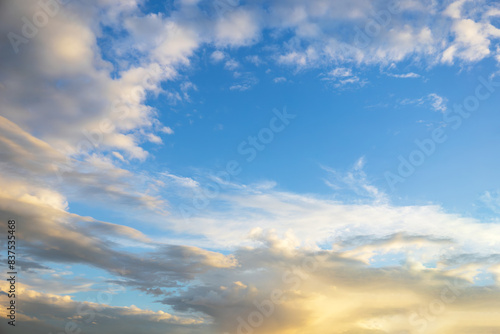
(239, 167)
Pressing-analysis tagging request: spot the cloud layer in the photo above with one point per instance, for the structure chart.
(75, 126)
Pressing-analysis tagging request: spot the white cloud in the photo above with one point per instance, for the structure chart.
(255, 59)
(217, 56)
(240, 87)
(182, 181)
(298, 288)
(471, 42)
(167, 130)
(405, 75)
(342, 76)
(454, 10)
(48, 312)
(300, 58)
(438, 102)
(237, 27)
(491, 200)
(231, 65)
(340, 72)
(432, 101)
(418, 38)
(354, 180)
(227, 218)
(101, 113)
(245, 81)
(94, 177)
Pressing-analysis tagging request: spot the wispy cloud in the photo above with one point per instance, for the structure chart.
(405, 75)
(342, 76)
(432, 101)
(354, 180)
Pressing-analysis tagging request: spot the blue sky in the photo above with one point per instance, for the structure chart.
(337, 126)
(172, 164)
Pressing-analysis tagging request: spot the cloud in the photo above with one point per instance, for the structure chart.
(74, 78)
(491, 200)
(167, 130)
(57, 236)
(438, 102)
(231, 65)
(44, 312)
(301, 59)
(340, 72)
(255, 59)
(381, 34)
(93, 176)
(217, 56)
(342, 76)
(431, 101)
(471, 42)
(354, 180)
(355, 207)
(182, 181)
(405, 75)
(237, 27)
(245, 81)
(280, 288)
(240, 87)
(472, 38)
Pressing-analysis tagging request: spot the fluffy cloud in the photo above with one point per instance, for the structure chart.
(278, 287)
(282, 289)
(51, 234)
(62, 72)
(45, 313)
(53, 172)
(381, 32)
